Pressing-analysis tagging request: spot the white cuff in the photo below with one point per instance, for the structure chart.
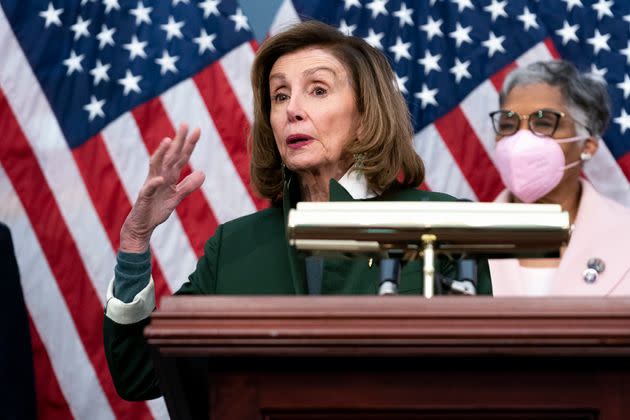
(138, 309)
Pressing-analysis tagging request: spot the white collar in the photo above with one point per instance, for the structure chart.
(356, 184)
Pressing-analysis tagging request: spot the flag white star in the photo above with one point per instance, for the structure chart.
(626, 52)
(130, 83)
(51, 15)
(346, 29)
(572, 3)
(95, 108)
(598, 73)
(167, 63)
(599, 41)
(626, 18)
(623, 120)
(99, 72)
(432, 28)
(400, 49)
(496, 9)
(427, 96)
(430, 62)
(377, 7)
(172, 29)
(374, 39)
(494, 43)
(105, 37)
(460, 70)
(176, 2)
(461, 34)
(404, 15)
(80, 28)
(568, 32)
(205, 41)
(74, 63)
(625, 86)
(528, 19)
(136, 48)
(209, 8)
(349, 3)
(111, 4)
(463, 4)
(603, 8)
(400, 82)
(240, 20)
(84, 2)
(141, 14)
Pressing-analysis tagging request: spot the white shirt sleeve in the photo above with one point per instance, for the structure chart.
(138, 309)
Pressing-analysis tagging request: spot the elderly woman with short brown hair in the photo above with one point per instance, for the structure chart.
(329, 124)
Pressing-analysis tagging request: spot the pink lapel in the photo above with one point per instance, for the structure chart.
(602, 230)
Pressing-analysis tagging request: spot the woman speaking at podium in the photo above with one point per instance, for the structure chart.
(329, 124)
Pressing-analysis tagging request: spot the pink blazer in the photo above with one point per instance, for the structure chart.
(602, 230)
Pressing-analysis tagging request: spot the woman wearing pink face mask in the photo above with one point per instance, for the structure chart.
(550, 120)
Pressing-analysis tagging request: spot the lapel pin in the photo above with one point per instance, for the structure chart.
(595, 266)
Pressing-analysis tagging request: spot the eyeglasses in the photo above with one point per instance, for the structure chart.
(543, 122)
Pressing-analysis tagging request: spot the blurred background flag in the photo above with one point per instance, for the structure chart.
(88, 88)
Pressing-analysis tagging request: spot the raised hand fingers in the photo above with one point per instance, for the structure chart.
(188, 148)
(174, 152)
(155, 164)
(189, 184)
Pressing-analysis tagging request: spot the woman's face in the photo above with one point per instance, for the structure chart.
(527, 99)
(313, 112)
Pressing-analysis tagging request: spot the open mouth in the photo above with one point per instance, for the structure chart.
(297, 139)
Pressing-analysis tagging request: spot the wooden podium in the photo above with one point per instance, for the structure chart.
(356, 357)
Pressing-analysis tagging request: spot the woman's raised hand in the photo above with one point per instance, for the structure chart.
(161, 192)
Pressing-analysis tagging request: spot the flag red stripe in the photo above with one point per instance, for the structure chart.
(469, 154)
(624, 163)
(103, 185)
(61, 253)
(230, 121)
(498, 78)
(108, 196)
(198, 219)
(552, 48)
(51, 404)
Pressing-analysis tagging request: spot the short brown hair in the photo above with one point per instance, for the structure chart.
(386, 134)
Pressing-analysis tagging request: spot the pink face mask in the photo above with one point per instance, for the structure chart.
(530, 165)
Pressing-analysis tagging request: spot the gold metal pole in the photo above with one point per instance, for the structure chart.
(429, 269)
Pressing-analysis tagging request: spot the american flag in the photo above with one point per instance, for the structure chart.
(88, 89)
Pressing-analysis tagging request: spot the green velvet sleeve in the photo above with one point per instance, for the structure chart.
(129, 360)
(126, 349)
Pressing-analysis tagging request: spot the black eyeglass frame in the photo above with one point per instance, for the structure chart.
(520, 117)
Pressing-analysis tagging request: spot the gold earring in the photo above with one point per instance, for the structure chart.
(359, 161)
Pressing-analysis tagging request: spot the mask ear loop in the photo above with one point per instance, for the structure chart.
(584, 156)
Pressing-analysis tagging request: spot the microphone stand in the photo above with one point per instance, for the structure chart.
(466, 282)
(389, 276)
